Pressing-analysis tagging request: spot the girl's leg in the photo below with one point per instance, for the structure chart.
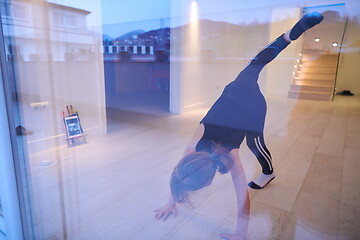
(251, 73)
(270, 52)
(256, 143)
(244, 83)
(273, 49)
(306, 22)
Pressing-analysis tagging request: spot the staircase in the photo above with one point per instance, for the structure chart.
(314, 76)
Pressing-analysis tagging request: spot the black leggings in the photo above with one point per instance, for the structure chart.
(242, 108)
(255, 137)
(256, 143)
(265, 56)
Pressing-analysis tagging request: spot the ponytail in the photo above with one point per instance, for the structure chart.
(221, 159)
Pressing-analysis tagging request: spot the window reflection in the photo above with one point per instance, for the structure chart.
(125, 79)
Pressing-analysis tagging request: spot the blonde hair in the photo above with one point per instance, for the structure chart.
(197, 170)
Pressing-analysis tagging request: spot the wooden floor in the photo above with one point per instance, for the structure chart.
(109, 187)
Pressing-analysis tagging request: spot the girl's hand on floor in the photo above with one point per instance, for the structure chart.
(165, 211)
(231, 236)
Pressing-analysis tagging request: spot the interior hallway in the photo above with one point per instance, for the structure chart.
(112, 184)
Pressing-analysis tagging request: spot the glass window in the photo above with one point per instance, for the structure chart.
(20, 11)
(64, 20)
(58, 19)
(70, 20)
(104, 96)
(4, 10)
(15, 11)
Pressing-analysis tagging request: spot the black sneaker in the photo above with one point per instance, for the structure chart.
(306, 22)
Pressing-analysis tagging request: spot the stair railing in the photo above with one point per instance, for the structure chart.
(338, 60)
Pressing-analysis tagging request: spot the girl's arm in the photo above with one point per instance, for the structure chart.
(199, 132)
(164, 211)
(170, 207)
(242, 197)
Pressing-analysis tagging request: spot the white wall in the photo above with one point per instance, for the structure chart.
(349, 71)
(201, 81)
(279, 71)
(198, 83)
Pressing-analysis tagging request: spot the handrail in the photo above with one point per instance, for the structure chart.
(338, 61)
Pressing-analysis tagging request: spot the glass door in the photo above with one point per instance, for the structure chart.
(324, 42)
(52, 68)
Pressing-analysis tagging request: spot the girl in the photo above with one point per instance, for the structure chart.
(240, 111)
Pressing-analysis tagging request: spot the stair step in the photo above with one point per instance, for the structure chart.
(315, 60)
(313, 82)
(307, 77)
(314, 76)
(322, 70)
(318, 64)
(319, 56)
(309, 95)
(315, 52)
(311, 88)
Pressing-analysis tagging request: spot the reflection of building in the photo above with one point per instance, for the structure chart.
(145, 46)
(69, 36)
(126, 51)
(51, 54)
(134, 47)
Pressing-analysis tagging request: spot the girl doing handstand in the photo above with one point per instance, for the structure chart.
(238, 113)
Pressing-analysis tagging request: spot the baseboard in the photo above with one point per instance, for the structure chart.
(191, 107)
(59, 140)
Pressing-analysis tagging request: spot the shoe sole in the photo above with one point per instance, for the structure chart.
(257, 187)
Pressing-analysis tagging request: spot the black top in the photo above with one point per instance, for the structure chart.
(241, 108)
(228, 137)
